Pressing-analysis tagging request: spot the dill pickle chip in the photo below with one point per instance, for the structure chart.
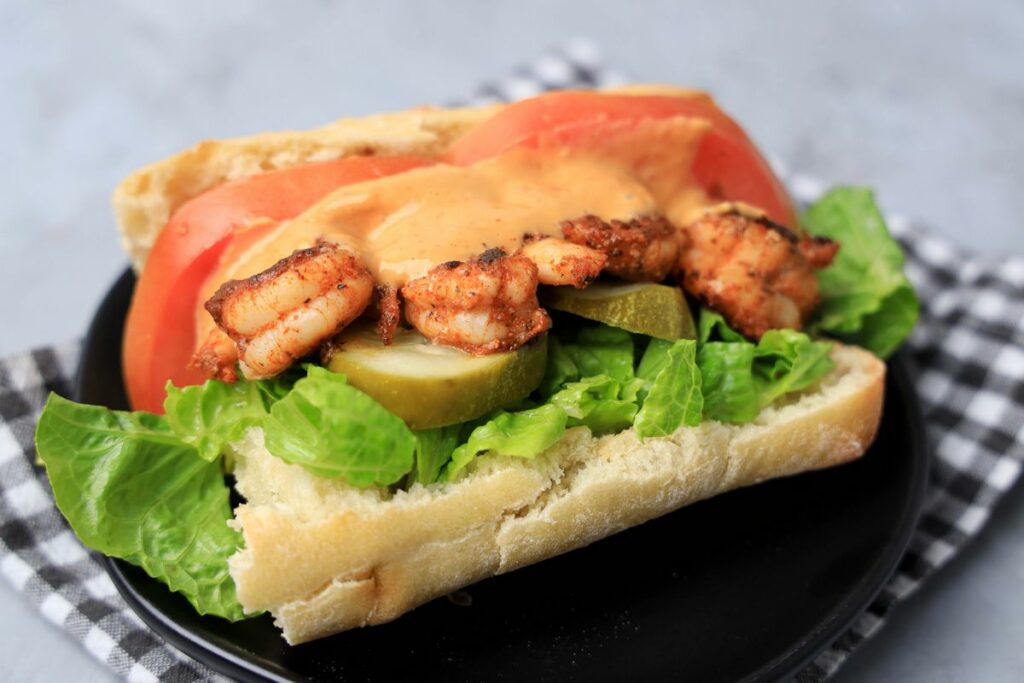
(643, 307)
(432, 386)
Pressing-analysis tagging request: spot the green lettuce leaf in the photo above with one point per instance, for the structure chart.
(560, 368)
(727, 373)
(865, 297)
(652, 362)
(524, 434)
(434, 449)
(787, 361)
(674, 394)
(740, 378)
(131, 489)
(334, 430)
(208, 416)
(595, 402)
(712, 326)
(276, 388)
(602, 350)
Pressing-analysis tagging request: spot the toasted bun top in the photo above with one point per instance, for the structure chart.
(145, 200)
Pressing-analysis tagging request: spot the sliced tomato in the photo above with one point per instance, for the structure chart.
(159, 336)
(727, 165)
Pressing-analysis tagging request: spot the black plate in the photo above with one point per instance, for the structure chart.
(748, 585)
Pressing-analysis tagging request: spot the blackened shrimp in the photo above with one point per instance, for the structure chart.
(756, 273)
(560, 262)
(482, 306)
(644, 249)
(285, 312)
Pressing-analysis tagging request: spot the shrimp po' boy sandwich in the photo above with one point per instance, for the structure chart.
(435, 346)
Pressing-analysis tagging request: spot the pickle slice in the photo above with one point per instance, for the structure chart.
(643, 307)
(433, 386)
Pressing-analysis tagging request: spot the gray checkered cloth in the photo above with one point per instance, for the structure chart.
(968, 348)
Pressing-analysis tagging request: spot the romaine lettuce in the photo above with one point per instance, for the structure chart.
(211, 415)
(602, 350)
(560, 369)
(865, 297)
(711, 325)
(131, 489)
(434, 449)
(727, 372)
(525, 434)
(787, 361)
(595, 402)
(334, 430)
(672, 388)
(740, 378)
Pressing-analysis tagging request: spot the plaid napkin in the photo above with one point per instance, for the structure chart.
(969, 349)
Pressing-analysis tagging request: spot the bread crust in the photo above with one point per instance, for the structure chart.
(323, 557)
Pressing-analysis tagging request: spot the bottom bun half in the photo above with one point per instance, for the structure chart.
(323, 557)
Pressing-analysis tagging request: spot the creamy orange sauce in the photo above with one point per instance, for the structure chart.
(405, 224)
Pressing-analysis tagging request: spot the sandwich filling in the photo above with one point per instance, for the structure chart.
(461, 251)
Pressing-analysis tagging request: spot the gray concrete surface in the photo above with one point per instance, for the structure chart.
(922, 100)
